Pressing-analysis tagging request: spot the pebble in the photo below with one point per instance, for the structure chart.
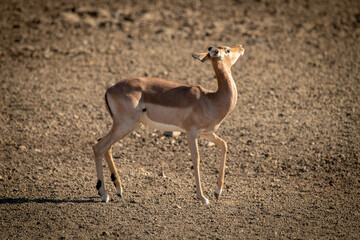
(22, 148)
(162, 174)
(209, 144)
(176, 134)
(135, 134)
(70, 17)
(172, 134)
(47, 53)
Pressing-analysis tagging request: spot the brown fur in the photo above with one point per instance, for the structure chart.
(107, 104)
(160, 91)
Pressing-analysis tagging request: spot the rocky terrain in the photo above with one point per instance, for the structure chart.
(293, 161)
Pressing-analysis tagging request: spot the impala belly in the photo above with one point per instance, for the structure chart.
(160, 126)
(176, 119)
(161, 117)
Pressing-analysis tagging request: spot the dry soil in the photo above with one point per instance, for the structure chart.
(293, 161)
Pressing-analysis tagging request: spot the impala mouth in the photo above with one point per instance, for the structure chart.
(215, 53)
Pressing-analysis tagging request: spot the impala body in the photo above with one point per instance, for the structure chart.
(171, 106)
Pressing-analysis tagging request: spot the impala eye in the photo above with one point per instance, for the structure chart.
(228, 50)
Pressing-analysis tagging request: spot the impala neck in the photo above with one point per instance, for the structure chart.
(227, 92)
(223, 75)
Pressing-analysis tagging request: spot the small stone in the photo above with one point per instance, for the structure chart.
(47, 53)
(172, 134)
(89, 21)
(70, 17)
(177, 206)
(135, 134)
(176, 134)
(22, 148)
(209, 144)
(117, 13)
(104, 13)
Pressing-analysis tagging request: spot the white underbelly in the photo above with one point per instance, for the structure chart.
(161, 126)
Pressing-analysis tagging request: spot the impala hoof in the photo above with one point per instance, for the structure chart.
(119, 192)
(217, 193)
(105, 198)
(205, 201)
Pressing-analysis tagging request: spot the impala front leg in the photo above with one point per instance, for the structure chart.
(114, 173)
(212, 137)
(193, 145)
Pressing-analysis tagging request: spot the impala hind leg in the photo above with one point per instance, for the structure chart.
(193, 145)
(102, 148)
(223, 147)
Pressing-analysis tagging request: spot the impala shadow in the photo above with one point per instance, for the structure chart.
(42, 200)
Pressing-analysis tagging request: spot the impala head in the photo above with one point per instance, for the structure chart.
(226, 54)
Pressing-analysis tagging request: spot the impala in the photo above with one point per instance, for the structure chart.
(171, 106)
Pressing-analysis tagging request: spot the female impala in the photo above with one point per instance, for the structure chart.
(171, 106)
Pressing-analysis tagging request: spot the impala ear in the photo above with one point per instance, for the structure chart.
(201, 56)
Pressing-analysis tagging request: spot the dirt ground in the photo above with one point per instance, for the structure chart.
(294, 154)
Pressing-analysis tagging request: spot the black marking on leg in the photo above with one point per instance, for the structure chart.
(113, 178)
(144, 110)
(98, 185)
(99, 139)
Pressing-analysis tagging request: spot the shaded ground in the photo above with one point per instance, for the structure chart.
(293, 166)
